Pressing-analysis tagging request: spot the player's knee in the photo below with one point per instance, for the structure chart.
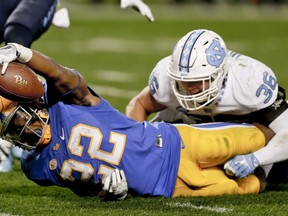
(212, 156)
(229, 186)
(20, 34)
(224, 187)
(250, 185)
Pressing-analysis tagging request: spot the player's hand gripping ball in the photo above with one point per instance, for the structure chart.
(20, 83)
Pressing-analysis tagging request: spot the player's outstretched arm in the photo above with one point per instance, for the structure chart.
(61, 78)
(139, 6)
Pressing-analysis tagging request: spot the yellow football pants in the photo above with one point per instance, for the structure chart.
(201, 162)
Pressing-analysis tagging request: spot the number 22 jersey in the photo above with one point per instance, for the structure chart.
(88, 142)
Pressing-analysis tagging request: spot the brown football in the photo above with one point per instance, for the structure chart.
(20, 83)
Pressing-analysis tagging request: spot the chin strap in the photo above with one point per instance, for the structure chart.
(46, 138)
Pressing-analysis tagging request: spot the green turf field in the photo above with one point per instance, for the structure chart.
(116, 50)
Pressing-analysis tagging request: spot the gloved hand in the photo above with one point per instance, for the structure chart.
(6, 164)
(116, 185)
(61, 18)
(140, 6)
(14, 51)
(241, 166)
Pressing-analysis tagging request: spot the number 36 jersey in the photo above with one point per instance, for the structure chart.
(248, 87)
(89, 142)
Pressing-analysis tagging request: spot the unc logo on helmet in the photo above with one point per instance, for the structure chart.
(215, 54)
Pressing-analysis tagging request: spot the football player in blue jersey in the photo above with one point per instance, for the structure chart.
(74, 138)
(23, 22)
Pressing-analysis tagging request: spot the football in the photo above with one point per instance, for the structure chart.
(20, 83)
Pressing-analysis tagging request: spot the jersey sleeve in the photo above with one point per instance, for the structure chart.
(254, 84)
(159, 83)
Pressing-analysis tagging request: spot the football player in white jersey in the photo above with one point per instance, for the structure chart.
(202, 81)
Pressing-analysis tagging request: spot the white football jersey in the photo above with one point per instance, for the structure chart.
(249, 86)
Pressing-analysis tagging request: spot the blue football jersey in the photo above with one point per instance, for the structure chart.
(89, 142)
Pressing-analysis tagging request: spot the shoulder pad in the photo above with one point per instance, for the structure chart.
(159, 82)
(255, 85)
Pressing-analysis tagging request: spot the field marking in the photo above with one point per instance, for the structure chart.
(5, 214)
(115, 76)
(207, 208)
(122, 45)
(113, 92)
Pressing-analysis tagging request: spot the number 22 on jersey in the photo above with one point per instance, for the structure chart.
(94, 151)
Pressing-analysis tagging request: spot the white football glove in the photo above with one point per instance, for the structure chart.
(14, 51)
(7, 54)
(139, 6)
(116, 185)
(5, 148)
(241, 166)
(6, 164)
(61, 18)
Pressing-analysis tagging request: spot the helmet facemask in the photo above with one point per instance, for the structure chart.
(198, 57)
(205, 97)
(17, 128)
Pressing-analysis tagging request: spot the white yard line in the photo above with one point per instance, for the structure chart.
(122, 45)
(115, 76)
(5, 214)
(207, 208)
(113, 92)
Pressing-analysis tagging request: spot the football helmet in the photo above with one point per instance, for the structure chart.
(15, 126)
(199, 56)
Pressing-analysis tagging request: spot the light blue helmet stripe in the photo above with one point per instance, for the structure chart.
(187, 50)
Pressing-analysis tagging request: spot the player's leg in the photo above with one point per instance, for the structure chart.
(6, 7)
(17, 33)
(204, 182)
(209, 146)
(213, 181)
(253, 183)
(195, 181)
(29, 21)
(213, 144)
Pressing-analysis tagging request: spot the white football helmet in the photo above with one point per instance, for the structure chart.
(198, 56)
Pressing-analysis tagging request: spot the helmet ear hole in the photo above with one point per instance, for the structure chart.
(198, 56)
